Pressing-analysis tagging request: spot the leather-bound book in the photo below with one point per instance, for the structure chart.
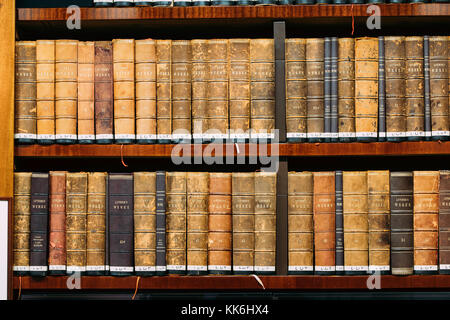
(96, 224)
(339, 223)
(163, 91)
(121, 223)
(439, 87)
(66, 91)
(124, 93)
(181, 90)
(324, 222)
(315, 54)
(145, 65)
(334, 108)
(379, 221)
(296, 89)
(39, 224)
(239, 89)
(217, 90)
(414, 88)
(197, 223)
(346, 89)
(57, 223)
(402, 239)
(45, 91)
(395, 88)
(25, 92)
(21, 242)
(381, 90)
(243, 210)
(426, 86)
(262, 88)
(145, 223)
(444, 222)
(265, 222)
(426, 221)
(366, 89)
(199, 88)
(160, 259)
(86, 86)
(76, 212)
(327, 90)
(176, 222)
(356, 226)
(104, 99)
(300, 223)
(220, 229)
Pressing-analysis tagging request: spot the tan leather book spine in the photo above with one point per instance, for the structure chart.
(300, 222)
(239, 88)
(76, 212)
(315, 88)
(124, 93)
(265, 222)
(66, 88)
(439, 87)
(220, 230)
(25, 91)
(243, 209)
(426, 221)
(176, 222)
(217, 106)
(145, 68)
(45, 90)
(324, 222)
(145, 222)
(379, 221)
(199, 87)
(96, 223)
(356, 224)
(21, 241)
(262, 88)
(57, 223)
(181, 89)
(197, 222)
(86, 111)
(366, 88)
(164, 90)
(346, 88)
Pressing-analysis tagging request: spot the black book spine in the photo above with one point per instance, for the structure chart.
(339, 223)
(427, 101)
(39, 224)
(121, 226)
(334, 90)
(327, 89)
(161, 268)
(381, 92)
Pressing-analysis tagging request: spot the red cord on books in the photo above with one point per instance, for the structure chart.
(353, 21)
(137, 286)
(121, 156)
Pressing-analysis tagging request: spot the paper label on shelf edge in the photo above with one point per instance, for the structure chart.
(379, 268)
(71, 269)
(366, 134)
(109, 1)
(265, 268)
(339, 268)
(86, 137)
(356, 268)
(395, 134)
(38, 268)
(66, 136)
(161, 268)
(21, 268)
(426, 268)
(242, 268)
(45, 137)
(24, 136)
(164, 136)
(325, 268)
(315, 135)
(347, 135)
(197, 268)
(95, 268)
(262, 135)
(415, 133)
(295, 135)
(301, 268)
(52, 267)
(124, 136)
(444, 266)
(145, 268)
(440, 133)
(121, 269)
(104, 136)
(219, 268)
(146, 136)
(239, 136)
(176, 267)
(213, 136)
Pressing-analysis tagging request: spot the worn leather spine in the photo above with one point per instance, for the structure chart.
(220, 228)
(66, 91)
(296, 89)
(103, 91)
(25, 92)
(145, 68)
(243, 212)
(334, 94)
(346, 89)
(22, 215)
(444, 222)
(176, 222)
(356, 226)
(197, 223)
(379, 221)
(239, 89)
(381, 89)
(426, 221)
(324, 208)
(327, 90)
(45, 91)
(86, 86)
(300, 223)
(57, 223)
(161, 266)
(144, 223)
(124, 90)
(262, 88)
(426, 86)
(414, 88)
(339, 219)
(164, 90)
(366, 89)
(199, 88)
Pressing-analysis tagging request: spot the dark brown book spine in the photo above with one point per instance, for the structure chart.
(444, 222)
(315, 93)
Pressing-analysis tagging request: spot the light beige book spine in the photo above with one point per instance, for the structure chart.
(86, 112)
(199, 87)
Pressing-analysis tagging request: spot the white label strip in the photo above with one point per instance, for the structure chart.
(262, 135)
(181, 136)
(347, 135)
(379, 268)
(325, 268)
(86, 137)
(356, 268)
(45, 137)
(295, 135)
(242, 268)
(161, 268)
(24, 136)
(339, 268)
(124, 136)
(95, 268)
(164, 136)
(146, 136)
(38, 268)
(382, 134)
(366, 134)
(219, 268)
(121, 269)
(197, 268)
(427, 133)
(444, 266)
(426, 268)
(239, 136)
(104, 136)
(176, 267)
(415, 133)
(66, 136)
(395, 134)
(56, 268)
(440, 133)
(145, 268)
(3, 250)
(108, 1)
(21, 268)
(71, 269)
(301, 268)
(265, 268)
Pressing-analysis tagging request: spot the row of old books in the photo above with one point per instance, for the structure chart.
(144, 223)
